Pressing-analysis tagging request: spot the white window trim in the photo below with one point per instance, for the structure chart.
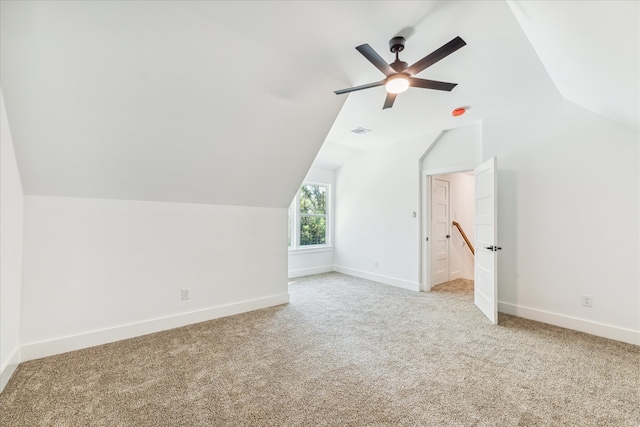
(310, 250)
(295, 222)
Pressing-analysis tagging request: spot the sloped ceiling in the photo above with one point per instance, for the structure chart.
(497, 71)
(163, 101)
(519, 53)
(591, 51)
(229, 102)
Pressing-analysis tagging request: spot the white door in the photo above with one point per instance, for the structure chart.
(486, 258)
(439, 231)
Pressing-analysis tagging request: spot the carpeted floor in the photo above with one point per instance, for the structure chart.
(457, 286)
(344, 352)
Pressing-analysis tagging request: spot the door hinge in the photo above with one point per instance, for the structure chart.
(427, 239)
(494, 248)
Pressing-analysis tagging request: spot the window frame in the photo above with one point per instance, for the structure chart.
(295, 218)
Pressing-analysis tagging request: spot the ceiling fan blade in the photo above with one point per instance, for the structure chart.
(388, 102)
(436, 56)
(431, 84)
(353, 89)
(377, 61)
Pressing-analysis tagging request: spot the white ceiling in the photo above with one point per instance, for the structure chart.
(588, 50)
(591, 50)
(165, 101)
(200, 101)
(496, 72)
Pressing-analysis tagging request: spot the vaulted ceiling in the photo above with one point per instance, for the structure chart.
(591, 50)
(229, 102)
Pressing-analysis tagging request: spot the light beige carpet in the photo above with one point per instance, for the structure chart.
(344, 352)
(457, 286)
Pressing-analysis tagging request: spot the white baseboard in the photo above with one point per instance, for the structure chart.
(9, 367)
(310, 271)
(594, 328)
(412, 286)
(62, 345)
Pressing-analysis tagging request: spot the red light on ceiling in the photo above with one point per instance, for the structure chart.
(458, 112)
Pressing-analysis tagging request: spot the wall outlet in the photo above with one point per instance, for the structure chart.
(185, 293)
(587, 300)
(376, 263)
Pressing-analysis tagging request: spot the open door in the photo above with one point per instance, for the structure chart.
(486, 258)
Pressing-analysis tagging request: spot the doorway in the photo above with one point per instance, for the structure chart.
(485, 232)
(451, 228)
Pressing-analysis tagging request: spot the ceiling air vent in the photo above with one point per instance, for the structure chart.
(361, 131)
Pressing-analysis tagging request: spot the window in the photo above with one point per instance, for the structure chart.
(309, 218)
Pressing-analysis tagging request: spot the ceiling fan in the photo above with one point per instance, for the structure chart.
(399, 76)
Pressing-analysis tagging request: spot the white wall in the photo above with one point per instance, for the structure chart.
(458, 149)
(11, 211)
(462, 209)
(99, 270)
(377, 193)
(568, 208)
(303, 262)
(568, 186)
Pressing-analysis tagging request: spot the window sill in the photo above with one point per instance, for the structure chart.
(310, 250)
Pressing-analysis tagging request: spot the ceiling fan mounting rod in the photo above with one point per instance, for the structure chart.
(396, 45)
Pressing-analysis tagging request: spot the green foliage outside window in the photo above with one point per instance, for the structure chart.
(313, 221)
(313, 199)
(312, 230)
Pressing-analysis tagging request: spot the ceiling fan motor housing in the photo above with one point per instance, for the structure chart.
(396, 44)
(399, 66)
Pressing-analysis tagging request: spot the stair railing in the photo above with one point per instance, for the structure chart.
(464, 236)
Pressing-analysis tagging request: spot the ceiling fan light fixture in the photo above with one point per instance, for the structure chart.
(397, 83)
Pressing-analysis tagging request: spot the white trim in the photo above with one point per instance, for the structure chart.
(412, 286)
(594, 328)
(309, 250)
(76, 342)
(9, 367)
(425, 222)
(449, 170)
(14, 358)
(310, 271)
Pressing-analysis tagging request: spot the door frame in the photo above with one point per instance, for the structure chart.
(425, 223)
